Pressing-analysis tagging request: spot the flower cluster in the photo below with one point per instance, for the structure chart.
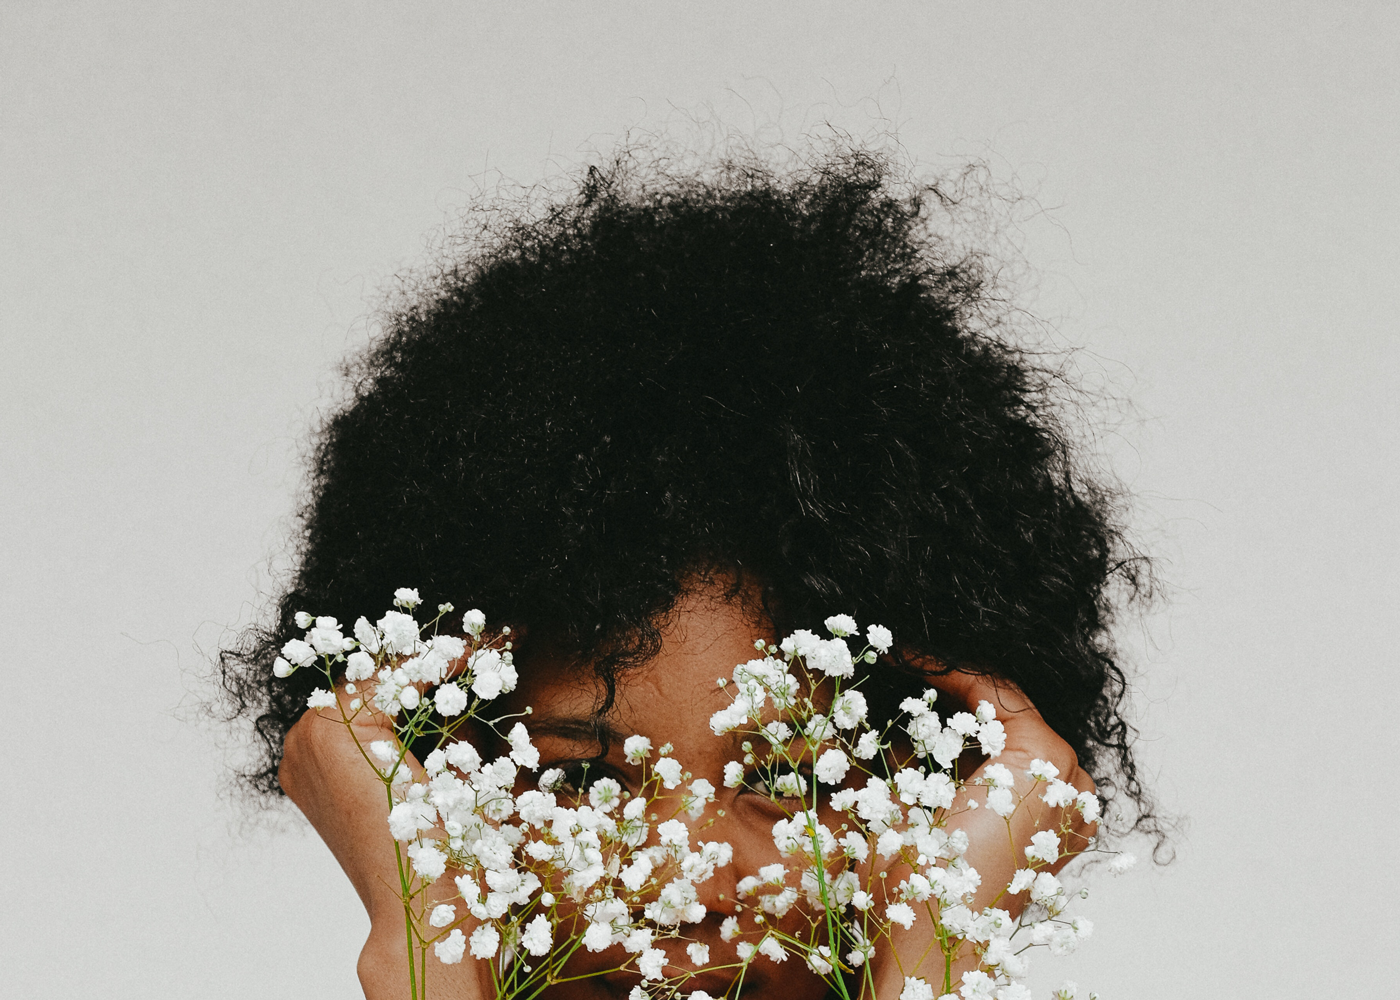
(872, 823)
(869, 839)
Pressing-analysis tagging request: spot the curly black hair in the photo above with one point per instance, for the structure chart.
(784, 373)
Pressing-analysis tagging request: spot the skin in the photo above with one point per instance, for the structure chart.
(669, 700)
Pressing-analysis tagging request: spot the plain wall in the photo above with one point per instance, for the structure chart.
(199, 205)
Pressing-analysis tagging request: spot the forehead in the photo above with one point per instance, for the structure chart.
(703, 638)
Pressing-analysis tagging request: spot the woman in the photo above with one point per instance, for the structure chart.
(671, 414)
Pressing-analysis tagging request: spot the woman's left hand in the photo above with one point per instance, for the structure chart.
(915, 952)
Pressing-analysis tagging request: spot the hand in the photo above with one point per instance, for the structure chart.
(327, 776)
(996, 858)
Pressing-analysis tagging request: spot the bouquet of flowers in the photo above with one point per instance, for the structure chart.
(543, 867)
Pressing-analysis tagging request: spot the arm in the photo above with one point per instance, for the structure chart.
(324, 773)
(994, 856)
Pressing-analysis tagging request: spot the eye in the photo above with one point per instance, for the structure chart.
(579, 776)
(779, 783)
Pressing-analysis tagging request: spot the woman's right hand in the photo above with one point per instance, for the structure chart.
(326, 775)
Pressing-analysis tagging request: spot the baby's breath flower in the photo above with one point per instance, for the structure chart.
(281, 668)
(451, 948)
(733, 774)
(299, 652)
(450, 700)
(320, 698)
(841, 625)
(522, 751)
(442, 915)
(538, 937)
(772, 949)
(702, 792)
(900, 913)
(407, 597)
(916, 989)
(1122, 863)
(303, 619)
(699, 953)
(880, 638)
(651, 963)
(1042, 770)
(473, 622)
(670, 771)
(1045, 845)
(636, 749)
(484, 941)
(867, 746)
(831, 767)
(832, 657)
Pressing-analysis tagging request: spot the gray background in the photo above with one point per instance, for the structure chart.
(202, 202)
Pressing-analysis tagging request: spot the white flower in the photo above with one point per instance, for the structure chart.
(849, 709)
(991, 737)
(1044, 845)
(463, 755)
(699, 953)
(841, 625)
(442, 915)
(1001, 801)
(428, 861)
(1042, 770)
(916, 989)
(733, 774)
(900, 913)
(450, 700)
(1088, 804)
(833, 658)
(1021, 881)
(435, 762)
(819, 960)
(636, 749)
(831, 767)
(868, 745)
(473, 622)
(651, 963)
(320, 698)
(406, 597)
(1122, 863)
(408, 698)
(281, 668)
(963, 723)
(299, 652)
(1046, 888)
(451, 949)
(1059, 794)
(384, 750)
(889, 843)
(359, 666)
(484, 941)
(674, 833)
(1013, 991)
(729, 929)
(303, 619)
(598, 936)
(670, 771)
(880, 638)
(522, 751)
(772, 949)
(998, 776)
(701, 793)
(1068, 990)
(986, 711)
(977, 985)
(538, 937)
(800, 643)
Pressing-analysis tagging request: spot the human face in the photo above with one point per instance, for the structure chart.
(670, 700)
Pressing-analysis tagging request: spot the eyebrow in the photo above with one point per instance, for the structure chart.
(580, 729)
